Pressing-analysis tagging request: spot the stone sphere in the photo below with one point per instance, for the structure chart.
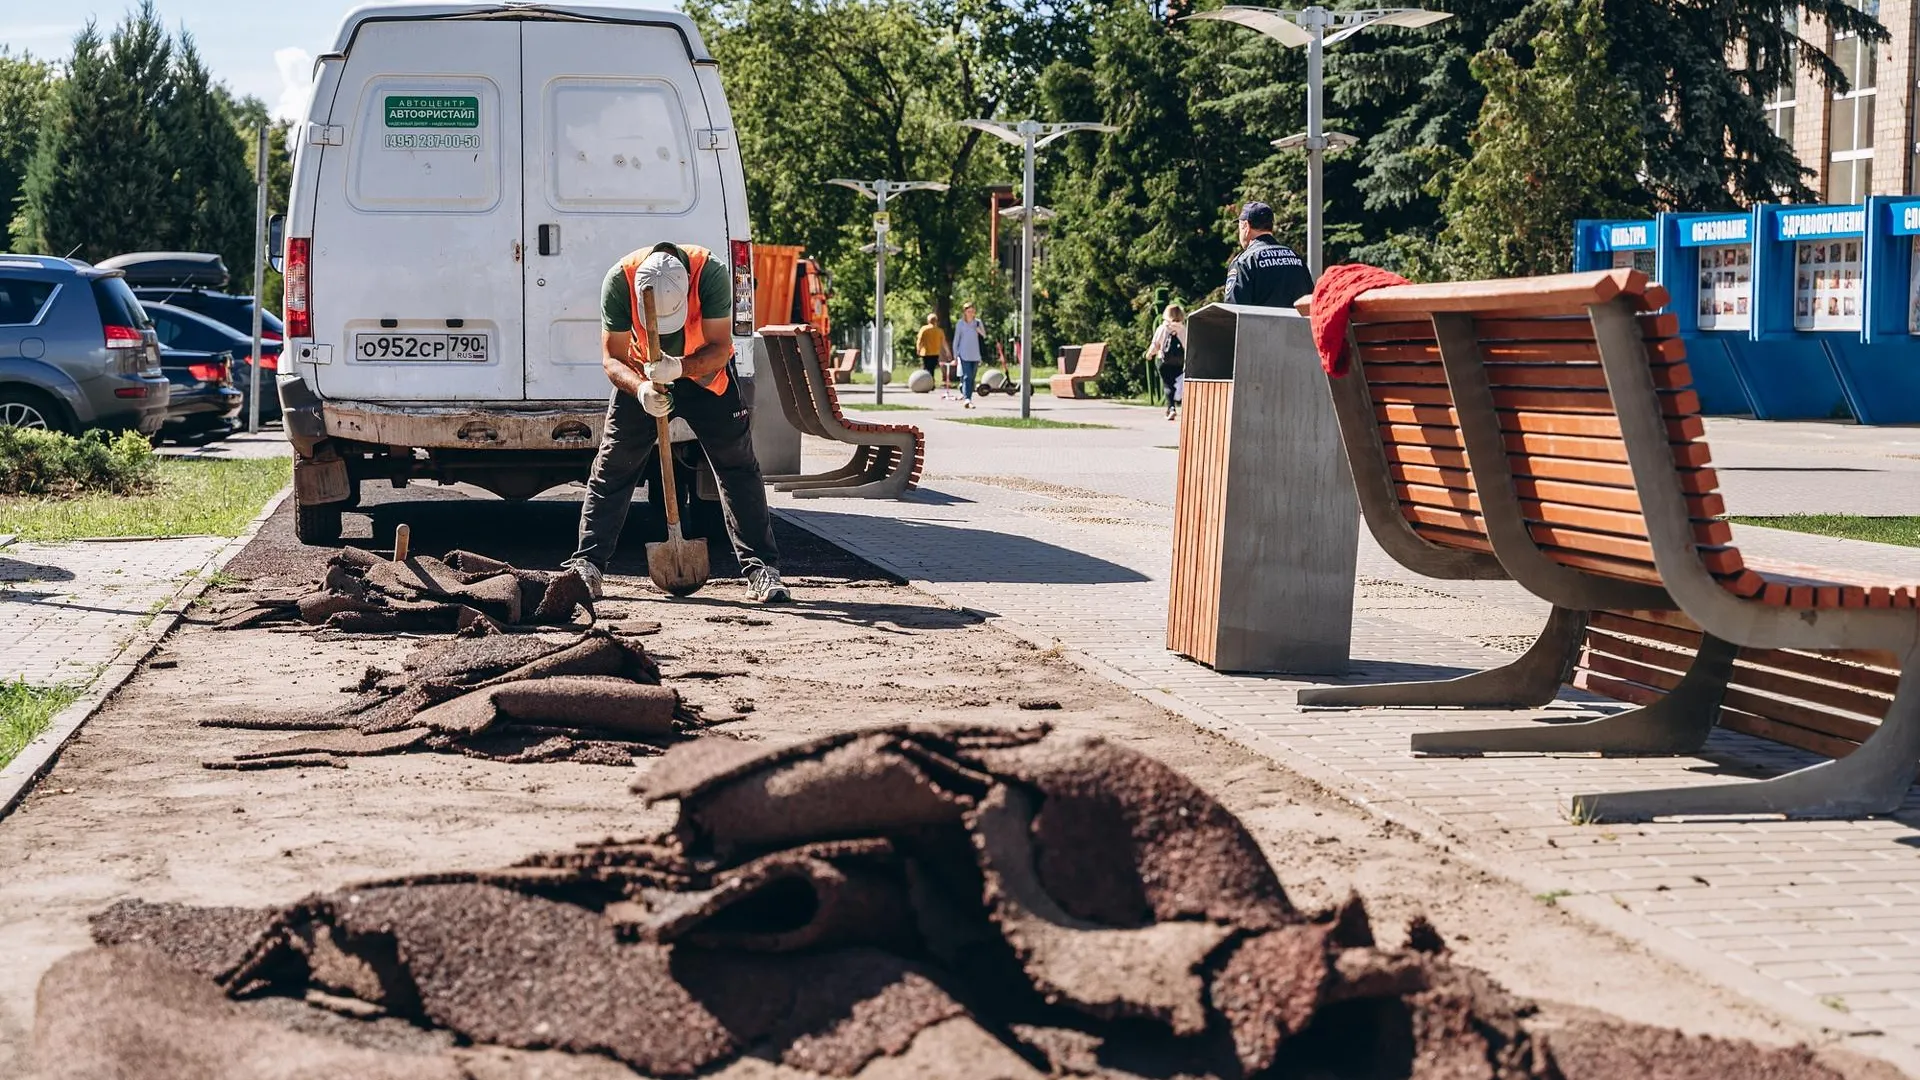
(921, 381)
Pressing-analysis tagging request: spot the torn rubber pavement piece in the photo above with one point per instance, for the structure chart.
(595, 699)
(463, 593)
(925, 901)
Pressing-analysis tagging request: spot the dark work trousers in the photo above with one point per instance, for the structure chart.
(723, 425)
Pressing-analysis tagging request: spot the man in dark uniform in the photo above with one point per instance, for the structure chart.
(1266, 273)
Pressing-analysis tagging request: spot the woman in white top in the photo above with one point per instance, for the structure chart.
(1169, 347)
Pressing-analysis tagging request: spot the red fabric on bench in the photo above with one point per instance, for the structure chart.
(1333, 297)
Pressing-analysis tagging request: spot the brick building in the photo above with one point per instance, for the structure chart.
(1865, 141)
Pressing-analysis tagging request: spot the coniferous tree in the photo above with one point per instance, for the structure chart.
(1556, 141)
(211, 198)
(101, 167)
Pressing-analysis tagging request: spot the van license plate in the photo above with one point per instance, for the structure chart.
(464, 348)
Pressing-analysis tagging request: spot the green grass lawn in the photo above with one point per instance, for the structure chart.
(1026, 423)
(1881, 530)
(886, 406)
(25, 712)
(193, 498)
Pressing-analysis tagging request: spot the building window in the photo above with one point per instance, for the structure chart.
(1850, 122)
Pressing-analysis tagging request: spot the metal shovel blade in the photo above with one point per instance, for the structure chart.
(677, 565)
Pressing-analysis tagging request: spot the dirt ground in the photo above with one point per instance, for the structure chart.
(130, 812)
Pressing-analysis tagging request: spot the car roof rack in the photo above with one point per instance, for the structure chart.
(180, 268)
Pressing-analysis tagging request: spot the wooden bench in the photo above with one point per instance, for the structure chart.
(1408, 458)
(1085, 371)
(887, 458)
(1587, 453)
(843, 367)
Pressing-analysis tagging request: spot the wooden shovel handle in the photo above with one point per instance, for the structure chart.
(668, 496)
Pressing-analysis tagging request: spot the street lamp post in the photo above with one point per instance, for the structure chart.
(1315, 28)
(879, 191)
(1031, 135)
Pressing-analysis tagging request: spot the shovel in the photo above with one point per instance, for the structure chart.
(676, 564)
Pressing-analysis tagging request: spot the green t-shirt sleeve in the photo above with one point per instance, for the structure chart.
(716, 290)
(616, 307)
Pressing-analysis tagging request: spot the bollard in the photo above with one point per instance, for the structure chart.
(1266, 527)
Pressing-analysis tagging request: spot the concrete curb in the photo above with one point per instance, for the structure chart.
(1817, 1022)
(38, 756)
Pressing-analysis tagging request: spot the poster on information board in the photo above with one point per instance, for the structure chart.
(1726, 287)
(1828, 284)
(1913, 290)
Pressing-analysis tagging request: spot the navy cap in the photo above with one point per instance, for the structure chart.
(1257, 214)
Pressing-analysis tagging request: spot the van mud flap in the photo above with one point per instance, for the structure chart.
(321, 479)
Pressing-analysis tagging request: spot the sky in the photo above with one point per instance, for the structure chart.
(260, 47)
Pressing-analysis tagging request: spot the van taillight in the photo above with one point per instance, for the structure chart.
(123, 337)
(742, 251)
(297, 314)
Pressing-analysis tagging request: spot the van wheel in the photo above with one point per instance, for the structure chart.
(317, 526)
(25, 407)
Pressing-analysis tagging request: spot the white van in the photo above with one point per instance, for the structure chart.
(466, 176)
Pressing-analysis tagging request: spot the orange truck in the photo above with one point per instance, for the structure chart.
(789, 288)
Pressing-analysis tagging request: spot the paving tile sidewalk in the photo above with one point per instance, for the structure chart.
(1819, 918)
(66, 610)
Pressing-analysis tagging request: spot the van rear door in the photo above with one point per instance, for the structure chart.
(618, 156)
(416, 271)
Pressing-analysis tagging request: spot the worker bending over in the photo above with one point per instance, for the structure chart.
(693, 306)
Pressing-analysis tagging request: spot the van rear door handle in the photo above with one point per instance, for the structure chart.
(549, 239)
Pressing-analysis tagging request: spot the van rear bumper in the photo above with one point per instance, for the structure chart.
(532, 425)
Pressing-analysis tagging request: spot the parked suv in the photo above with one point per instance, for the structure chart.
(193, 280)
(76, 349)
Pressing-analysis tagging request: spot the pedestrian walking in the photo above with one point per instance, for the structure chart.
(931, 346)
(1169, 350)
(1266, 273)
(693, 380)
(967, 335)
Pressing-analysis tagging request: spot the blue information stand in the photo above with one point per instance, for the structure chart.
(1882, 371)
(1707, 265)
(1809, 298)
(1610, 245)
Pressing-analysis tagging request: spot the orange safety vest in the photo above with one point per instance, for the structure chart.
(696, 336)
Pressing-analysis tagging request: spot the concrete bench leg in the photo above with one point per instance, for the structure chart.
(1532, 680)
(858, 465)
(1874, 779)
(1676, 724)
(890, 481)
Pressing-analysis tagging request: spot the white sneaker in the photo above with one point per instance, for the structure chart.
(588, 572)
(765, 585)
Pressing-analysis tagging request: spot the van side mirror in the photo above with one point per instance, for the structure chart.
(277, 242)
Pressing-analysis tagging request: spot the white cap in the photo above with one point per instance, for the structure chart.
(667, 276)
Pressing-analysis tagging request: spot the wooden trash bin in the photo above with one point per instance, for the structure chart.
(1266, 526)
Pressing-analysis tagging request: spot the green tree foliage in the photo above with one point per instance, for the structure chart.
(26, 85)
(1556, 141)
(212, 194)
(138, 151)
(1151, 205)
(101, 164)
(1700, 71)
(867, 89)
